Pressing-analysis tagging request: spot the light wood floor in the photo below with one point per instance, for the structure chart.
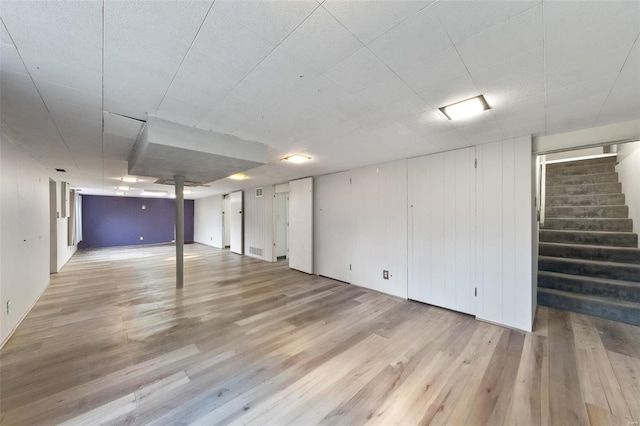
(111, 341)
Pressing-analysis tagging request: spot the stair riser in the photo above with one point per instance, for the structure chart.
(629, 255)
(594, 224)
(597, 188)
(586, 200)
(583, 163)
(579, 170)
(615, 240)
(590, 211)
(598, 309)
(612, 271)
(592, 288)
(582, 179)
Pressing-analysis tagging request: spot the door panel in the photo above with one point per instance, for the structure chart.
(236, 222)
(301, 225)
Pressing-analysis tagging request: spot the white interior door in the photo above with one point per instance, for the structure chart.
(280, 219)
(236, 222)
(301, 225)
(442, 230)
(226, 222)
(333, 225)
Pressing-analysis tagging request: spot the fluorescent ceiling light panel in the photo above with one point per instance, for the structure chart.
(466, 108)
(123, 188)
(297, 158)
(154, 193)
(238, 176)
(129, 179)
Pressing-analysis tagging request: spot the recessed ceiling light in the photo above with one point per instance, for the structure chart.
(129, 179)
(119, 193)
(297, 158)
(466, 108)
(238, 176)
(123, 188)
(152, 193)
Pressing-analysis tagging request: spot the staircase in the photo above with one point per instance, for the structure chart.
(589, 261)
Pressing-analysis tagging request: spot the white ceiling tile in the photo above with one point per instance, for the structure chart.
(463, 19)
(154, 33)
(630, 73)
(11, 61)
(407, 107)
(450, 92)
(568, 73)
(119, 126)
(69, 32)
(54, 72)
(323, 92)
(56, 93)
(563, 18)
(228, 42)
(482, 132)
(581, 90)
(228, 115)
(277, 76)
(621, 105)
(271, 20)
(519, 107)
(385, 92)
(187, 113)
(427, 123)
(358, 71)
(594, 42)
(518, 77)
(438, 69)
(413, 41)
(574, 115)
(370, 19)
(66, 111)
(512, 37)
(531, 121)
(321, 41)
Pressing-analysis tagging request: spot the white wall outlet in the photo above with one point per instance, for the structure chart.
(141, 238)
(385, 274)
(144, 207)
(8, 307)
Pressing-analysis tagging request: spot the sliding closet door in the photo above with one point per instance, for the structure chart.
(442, 230)
(301, 225)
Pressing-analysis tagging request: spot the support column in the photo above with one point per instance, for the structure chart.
(179, 183)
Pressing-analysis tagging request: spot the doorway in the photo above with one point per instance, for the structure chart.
(226, 224)
(281, 225)
(53, 227)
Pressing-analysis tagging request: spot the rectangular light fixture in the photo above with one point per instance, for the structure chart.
(466, 108)
(238, 176)
(296, 158)
(123, 188)
(152, 193)
(129, 179)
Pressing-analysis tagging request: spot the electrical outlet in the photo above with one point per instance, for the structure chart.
(8, 307)
(385, 274)
(141, 238)
(144, 207)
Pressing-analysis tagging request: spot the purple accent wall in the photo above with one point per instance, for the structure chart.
(121, 221)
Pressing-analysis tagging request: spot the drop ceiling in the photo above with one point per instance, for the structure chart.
(350, 83)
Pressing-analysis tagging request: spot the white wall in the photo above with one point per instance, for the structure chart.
(593, 136)
(628, 169)
(207, 221)
(362, 221)
(503, 233)
(65, 251)
(258, 223)
(24, 234)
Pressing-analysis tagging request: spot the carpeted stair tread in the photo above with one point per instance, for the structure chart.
(593, 268)
(605, 238)
(582, 179)
(585, 200)
(623, 311)
(601, 287)
(620, 212)
(580, 170)
(587, 189)
(589, 224)
(590, 252)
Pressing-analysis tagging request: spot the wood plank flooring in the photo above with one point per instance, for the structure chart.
(112, 341)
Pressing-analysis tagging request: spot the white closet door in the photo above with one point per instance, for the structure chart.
(301, 225)
(333, 226)
(237, 224)
(442, 230)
